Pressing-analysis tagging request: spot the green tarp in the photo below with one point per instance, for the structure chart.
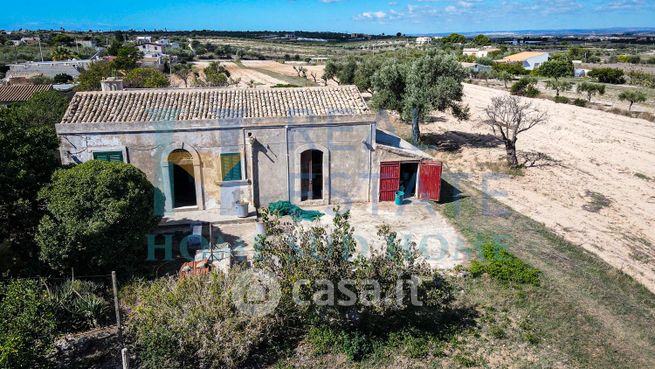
(282, 208)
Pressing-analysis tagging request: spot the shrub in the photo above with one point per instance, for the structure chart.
(191, 323)
(501, 265)
(80, 305)
(515, 69)
(556, 69)
(608, 75)
(319, 255)
(643, 79)
(146, 78)
(525, 87)
(62, 78)
(580, 102)
(561, 99)
(27, 325)
(97, 217)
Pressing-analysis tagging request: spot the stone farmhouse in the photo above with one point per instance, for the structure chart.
(210, 148)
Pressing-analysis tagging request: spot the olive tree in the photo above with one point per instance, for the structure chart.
(184, 72)
(558, 85)
(417, 87)
(591, 89)
(508, 116)
(97, 217)
(632, 96)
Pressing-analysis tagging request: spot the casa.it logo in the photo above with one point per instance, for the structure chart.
(255, 293)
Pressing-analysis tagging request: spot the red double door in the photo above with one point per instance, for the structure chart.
(429, 181)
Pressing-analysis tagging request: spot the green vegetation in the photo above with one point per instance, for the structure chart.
(608, 75)
(91, 77)
(643, 79)
(93, 205)
(27, 325)
(578, 304)
(146, 78)
(168, 313)
(498, 263)
(556, 69)
(217, 75)
(591, 89)
(558, 85)
(525, 86)
(27, 161)
(514, 69)
(632, 96)
(415, 88)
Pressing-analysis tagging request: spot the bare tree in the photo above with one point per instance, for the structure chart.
(314, 77)
(508, 116)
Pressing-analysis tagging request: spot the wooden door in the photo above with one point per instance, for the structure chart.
(429, 184)
(389, 180)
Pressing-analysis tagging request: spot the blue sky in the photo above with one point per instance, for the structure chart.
(413, 17)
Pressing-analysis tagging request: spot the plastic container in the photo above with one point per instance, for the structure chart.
(399, 197)
(241, 209)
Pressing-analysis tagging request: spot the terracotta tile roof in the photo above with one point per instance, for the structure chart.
(525, 55)
(17, 93)
(154, 105)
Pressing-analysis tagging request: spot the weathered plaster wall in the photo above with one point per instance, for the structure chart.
(275, 171)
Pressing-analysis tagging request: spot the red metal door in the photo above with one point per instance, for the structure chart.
(429, 184)
(389, 180)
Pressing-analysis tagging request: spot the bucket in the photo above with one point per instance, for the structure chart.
(241, 209)
(260, 228)
(399, 197)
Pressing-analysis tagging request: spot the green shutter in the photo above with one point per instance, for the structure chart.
(108, 155)
(231, 166)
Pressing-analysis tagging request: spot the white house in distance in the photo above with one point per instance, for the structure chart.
(480, 52)
(151, 49)
(422, 40)
(529, 59)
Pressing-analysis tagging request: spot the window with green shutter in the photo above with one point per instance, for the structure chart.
(231, 166)
(108, 155)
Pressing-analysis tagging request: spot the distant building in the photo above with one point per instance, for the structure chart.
(143, 39)
(151, 49)
(422, 40)
(480, 52)
(12, 94)
(48, 69)
(475, 68)
(86, 43)
(528, 59)
(30, 40)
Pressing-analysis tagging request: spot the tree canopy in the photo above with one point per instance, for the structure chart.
(146, 78)
(556, 69)
(430, 82)
(27, 160)
(97, 216)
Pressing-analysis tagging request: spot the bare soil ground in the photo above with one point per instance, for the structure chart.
(267, 73)
(593, 180)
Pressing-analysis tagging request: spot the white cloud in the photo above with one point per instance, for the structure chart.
(373, 15)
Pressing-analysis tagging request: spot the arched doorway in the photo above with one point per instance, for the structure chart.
(182, 179)
(311, 175)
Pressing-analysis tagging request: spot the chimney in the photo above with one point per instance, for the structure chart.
(112, 84)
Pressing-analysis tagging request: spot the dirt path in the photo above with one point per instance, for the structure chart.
(595, 185)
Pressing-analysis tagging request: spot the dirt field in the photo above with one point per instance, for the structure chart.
(267, 73)
(594, 185)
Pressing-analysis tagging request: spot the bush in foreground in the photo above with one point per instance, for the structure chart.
(97, 217)
(27, 325)
(195, 321)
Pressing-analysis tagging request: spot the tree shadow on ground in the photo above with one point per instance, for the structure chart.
(534, 159)
(453, 140)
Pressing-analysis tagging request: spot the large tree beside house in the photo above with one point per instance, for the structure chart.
(27, 159)
(97, 217)
(415, 88)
